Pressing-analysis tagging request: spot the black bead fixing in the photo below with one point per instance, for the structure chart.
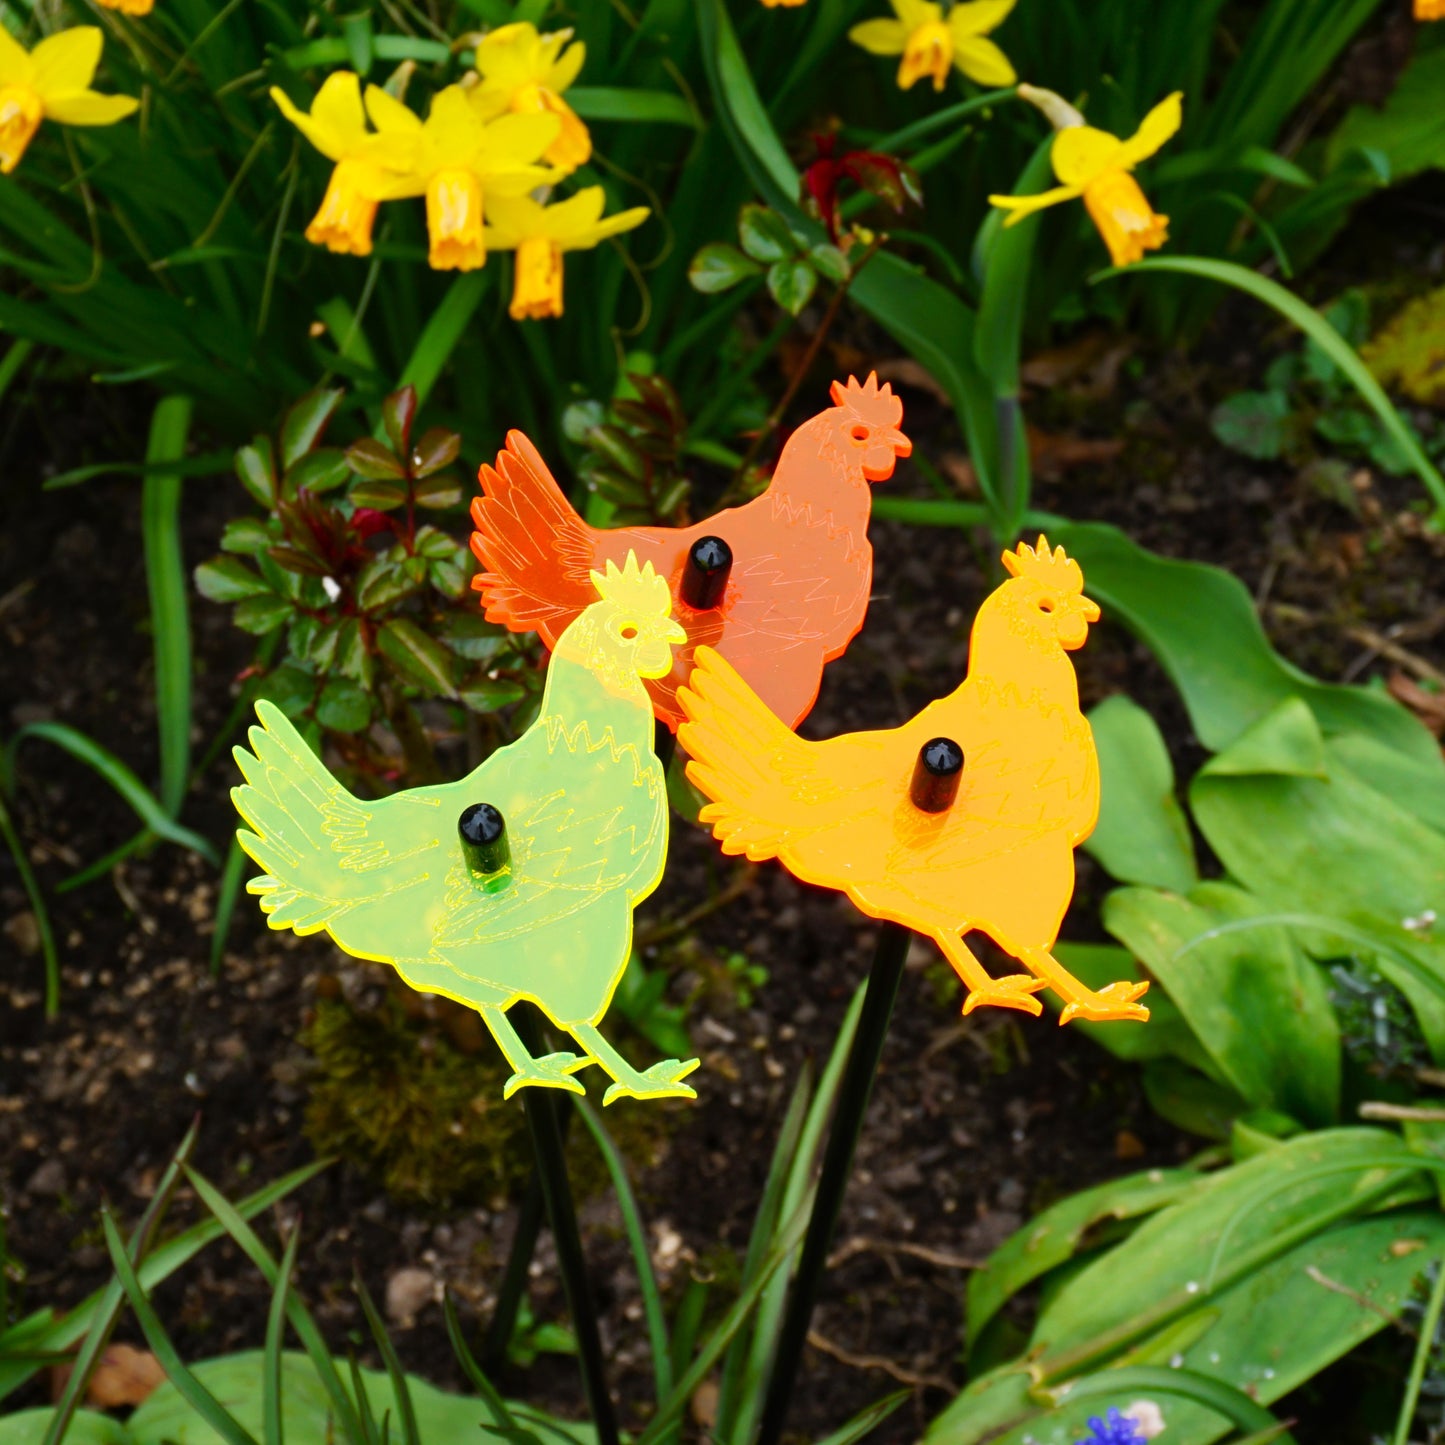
(936, 775)
(705, 573)
(483, 832)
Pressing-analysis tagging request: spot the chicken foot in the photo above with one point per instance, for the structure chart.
(554, 1071)
(1114, 1001)
(1015, 991)
(661, 1081)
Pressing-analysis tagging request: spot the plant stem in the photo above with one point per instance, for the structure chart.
(1428, 1327)
(562, 1213)
(853, 1092)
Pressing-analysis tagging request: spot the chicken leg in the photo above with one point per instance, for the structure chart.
(1114, 1001)
(661, 1081)
(554, 1071)
(1015, 991)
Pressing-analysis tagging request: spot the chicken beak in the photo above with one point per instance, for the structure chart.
(1089, 608)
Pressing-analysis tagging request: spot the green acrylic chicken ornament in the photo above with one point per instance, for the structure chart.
(518, 881)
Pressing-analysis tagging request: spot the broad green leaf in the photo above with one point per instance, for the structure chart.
(344, 706)
(1201, 624)
(1142, 835)
(1317, 845)
(1419, 790)
(791, 284)
(368, 458)
(256, 468)
(437, 448)
(228, 579)
(260, 615)
(245, 535)
(765, 235)
(305, 422)
(1409, 128)
(1055, 1235)
(1191, 1100)
(385, 495)
(398, 412)
(1259, 424)
(717, 267)
(321, 470)
(649, 106)
(489, 695)
(87, 1427)
(1259, 1007)
(417, 657)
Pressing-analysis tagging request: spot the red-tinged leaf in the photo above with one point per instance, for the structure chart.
(305, 423)
(398, 412)
(367, 522)
(378, 496)
(437, 448)
(317, 471)
(444, 489)
(293, 559)
(369, 459)
(416, 657)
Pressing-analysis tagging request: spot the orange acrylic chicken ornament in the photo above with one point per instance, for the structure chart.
(778, 586)
(964, 818)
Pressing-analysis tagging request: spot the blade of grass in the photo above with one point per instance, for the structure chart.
(15, 358)
(501, 1415)
(273, 1429)
(108, 1310)
(31, 885)
(1322, 334)
(405, 1408)
(765, 1222)
(669, 1409)
(443, 331)
(866, 1420)
(228, 890)
(101, 760)
(229, 1219)
(370, 1433)
(637, 1240)
(687, 1322)
(190, 1389)
(1423, 1348)
(853, 1094)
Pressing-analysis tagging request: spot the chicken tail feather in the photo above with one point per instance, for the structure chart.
(304, 823)
(536, 552)
(739, 752)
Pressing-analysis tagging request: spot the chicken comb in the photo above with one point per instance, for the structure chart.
(874, 403)
(634, 586)
(1043, 565)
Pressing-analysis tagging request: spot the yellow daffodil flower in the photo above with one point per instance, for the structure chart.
(458, 158)
(524, 72)
(129, 7)
(787, 4)
(540, 234)
(51, 82)
(1430, 9)
(1096, 165)
(369, 168)
(932, 43)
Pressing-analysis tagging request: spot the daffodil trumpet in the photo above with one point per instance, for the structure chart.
(369, 169)
(525, 73)
(540, 235)
(52, 82)
(460, 162)
(1098, 167)
(932, 43)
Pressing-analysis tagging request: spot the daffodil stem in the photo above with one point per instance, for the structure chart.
(853, 1092)
(546, 1130)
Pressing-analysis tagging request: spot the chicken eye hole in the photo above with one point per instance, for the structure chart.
(1046, 604)
(628, 631)
(858, 431)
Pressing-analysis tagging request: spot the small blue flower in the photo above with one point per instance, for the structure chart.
(1117, 1429)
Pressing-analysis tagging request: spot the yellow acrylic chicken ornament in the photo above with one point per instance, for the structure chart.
(964, 818)
(519, 880)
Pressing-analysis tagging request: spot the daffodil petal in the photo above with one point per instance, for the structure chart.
(612, 226)
(1081, 152)
(516, 140)
(388, 114)
(65, 62)
(914, 13)
(880, 37)
(316, 134)
(1021, 206)
(15, 63)
(977, 17)
(1158, 126)
(89, 107)
(338, 109)
(567, 67)
(981, 60)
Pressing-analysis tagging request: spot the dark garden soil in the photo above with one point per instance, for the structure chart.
(975, 1123)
